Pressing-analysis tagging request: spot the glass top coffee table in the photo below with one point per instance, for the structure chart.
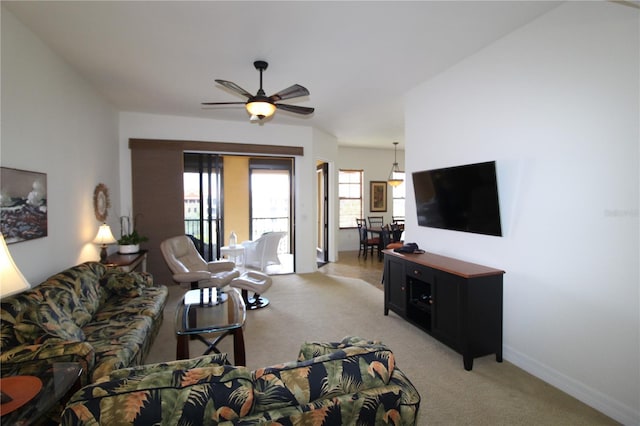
(199, 312)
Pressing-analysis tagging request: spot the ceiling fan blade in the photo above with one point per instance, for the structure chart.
(232, 86)
(296, 108)
(290, 92)
(223, 103)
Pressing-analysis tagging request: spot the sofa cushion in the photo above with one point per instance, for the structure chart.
(118, 341)
(347, 370)
(371, 407)
(28, 359)
(48, 321)
(207, 394)
(124, 284)
(84, 281)
(13, 309)
(182, 364)
(310, 350)
(151, 304)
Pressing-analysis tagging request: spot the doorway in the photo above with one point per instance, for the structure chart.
(254, 194)
(322, 179)
(272, 207)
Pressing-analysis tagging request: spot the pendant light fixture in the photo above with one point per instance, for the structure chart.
(393, 180)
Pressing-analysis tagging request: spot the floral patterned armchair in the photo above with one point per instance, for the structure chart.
(349, 382)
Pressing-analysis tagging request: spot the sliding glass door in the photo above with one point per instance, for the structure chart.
(271, 199)
(203, 202)
(269, 196)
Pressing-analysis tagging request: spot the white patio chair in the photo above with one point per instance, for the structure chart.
(263, 252)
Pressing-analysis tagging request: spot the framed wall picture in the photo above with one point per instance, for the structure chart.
(378, 196)
(101, 202)
(23, 204)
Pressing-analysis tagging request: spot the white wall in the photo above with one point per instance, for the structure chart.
(149, 126)
(325, 148)
(53, 122)
(376, 164)
(556, 104)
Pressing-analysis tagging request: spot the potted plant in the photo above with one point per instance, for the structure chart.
(129, 241)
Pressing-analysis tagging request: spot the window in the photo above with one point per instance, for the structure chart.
(350, 193)
(398, 194)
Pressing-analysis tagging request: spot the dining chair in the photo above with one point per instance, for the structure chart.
(385, 240)
(397, 220)
(366, 243)
(376, 221)
(396, 243)
(396, 231)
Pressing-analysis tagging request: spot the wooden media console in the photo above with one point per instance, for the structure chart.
(459, 303)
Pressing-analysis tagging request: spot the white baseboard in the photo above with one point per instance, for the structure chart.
(592, 397)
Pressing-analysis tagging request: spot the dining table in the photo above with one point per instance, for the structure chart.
(376, 232)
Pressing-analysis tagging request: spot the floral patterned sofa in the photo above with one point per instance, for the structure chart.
(92, 314)
(349, 382)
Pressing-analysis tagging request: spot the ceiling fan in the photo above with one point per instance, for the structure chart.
(261, 106)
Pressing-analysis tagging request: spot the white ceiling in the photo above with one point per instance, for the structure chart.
(356, 58)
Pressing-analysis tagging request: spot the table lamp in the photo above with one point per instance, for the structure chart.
(11, 282)
(104, 238)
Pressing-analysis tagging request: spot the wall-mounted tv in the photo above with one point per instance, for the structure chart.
(462, 198)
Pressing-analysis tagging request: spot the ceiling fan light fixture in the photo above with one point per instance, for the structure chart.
(261, 109)
(261, 106)
(393, 180)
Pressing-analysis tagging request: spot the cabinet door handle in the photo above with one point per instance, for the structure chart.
(416, 272)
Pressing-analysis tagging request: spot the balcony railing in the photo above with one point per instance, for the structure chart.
(259, 226)
(192, 227)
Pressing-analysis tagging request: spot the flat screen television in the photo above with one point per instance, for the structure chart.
(461, 198)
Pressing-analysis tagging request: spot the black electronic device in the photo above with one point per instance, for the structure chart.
(461, 198)
(408, 248)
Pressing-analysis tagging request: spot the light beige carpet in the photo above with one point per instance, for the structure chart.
(319, 307)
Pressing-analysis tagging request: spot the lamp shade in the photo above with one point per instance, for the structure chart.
(11, 279)
(394, 182)
(104, 235)
(261, 108)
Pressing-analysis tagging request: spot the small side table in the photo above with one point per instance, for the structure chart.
(128, 262)
(236, 253)
(58, 380)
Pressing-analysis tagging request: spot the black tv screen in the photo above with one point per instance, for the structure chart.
(461, 198)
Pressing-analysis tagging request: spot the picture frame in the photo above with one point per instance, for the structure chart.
(377, 196)
(101, 202)
(23, 204)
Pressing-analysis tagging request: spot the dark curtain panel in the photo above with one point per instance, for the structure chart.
(158, 202)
